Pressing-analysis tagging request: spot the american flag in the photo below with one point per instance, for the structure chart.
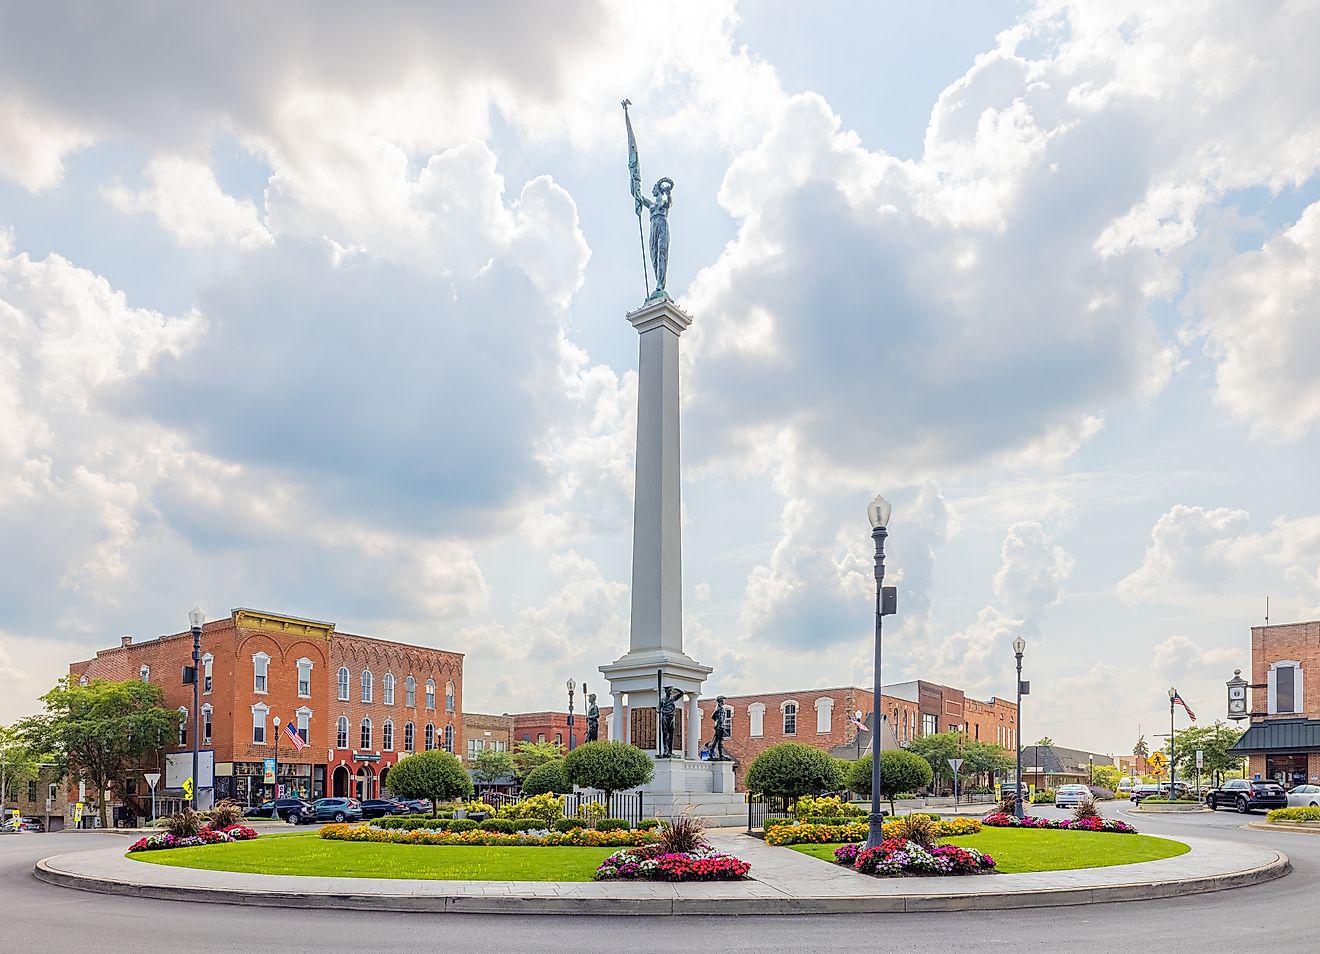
(856, 720)
(291, 730)
(1178, 700)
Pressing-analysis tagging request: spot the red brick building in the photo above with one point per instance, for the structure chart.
(1282, 741)
(358, 704)
(487, 732)
(553, 727)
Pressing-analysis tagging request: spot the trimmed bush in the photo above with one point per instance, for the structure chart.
(460, 824)
(531, 824)
(498, 824)
(612, 824)
(901, 771)
(791, 770)
(648, 824)
(435, 776)
(608, 767)
(1042, 796)
(549, 777)
(569, 824)
(1306, 814)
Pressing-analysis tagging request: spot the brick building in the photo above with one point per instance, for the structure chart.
(356, 702)
(1282, 741)
(553, 727)
(41, 797)
(493, 732)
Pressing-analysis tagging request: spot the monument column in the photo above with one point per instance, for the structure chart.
(693, 729)
(616, 718)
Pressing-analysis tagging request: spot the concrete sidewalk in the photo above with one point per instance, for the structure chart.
(783, 882)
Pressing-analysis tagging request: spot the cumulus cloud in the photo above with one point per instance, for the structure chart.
(185, 198)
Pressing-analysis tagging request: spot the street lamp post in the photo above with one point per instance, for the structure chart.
(195, 619)
(1090, 770)
(277, 764)
(878, 513)
(1173, 772)
(1019, 646)
(571, 686)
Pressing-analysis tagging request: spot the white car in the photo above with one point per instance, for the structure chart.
(1304, 796)
(1066, 795)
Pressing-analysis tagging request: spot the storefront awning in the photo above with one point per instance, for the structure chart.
(1293, 735)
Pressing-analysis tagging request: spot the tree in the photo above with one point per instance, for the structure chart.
(900, 771)
(1214, 741)
(97, 732)
(491, 765)
(1141, 750)
(937, 748)
(19, 764)
(435, 775)
(985, 758)
(529, 755)
(1107, 776)
(608, 767)
(549, 777)
(791, 770)
(1045, 740)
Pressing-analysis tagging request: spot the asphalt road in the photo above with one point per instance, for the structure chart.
(1283, 915)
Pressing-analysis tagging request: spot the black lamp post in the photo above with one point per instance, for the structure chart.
(571, 686)
(1173, 772)
(885, 603)
(1019, 646)
(195, 619)
(1090, 770)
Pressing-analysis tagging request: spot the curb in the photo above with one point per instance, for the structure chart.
(507, 904)
(1294, 829)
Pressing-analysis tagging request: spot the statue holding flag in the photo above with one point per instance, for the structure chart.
(658, 204)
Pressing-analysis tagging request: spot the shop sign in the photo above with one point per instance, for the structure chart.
(365, 757)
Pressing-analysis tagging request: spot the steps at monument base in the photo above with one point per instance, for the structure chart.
(716, 809)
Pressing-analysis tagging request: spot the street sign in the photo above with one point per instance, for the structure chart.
(955, 764)
(77, 814)
(153, 779)
(188, 788)
(1200, 759)
(1158, 760)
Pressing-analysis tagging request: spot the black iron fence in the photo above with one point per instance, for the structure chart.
(760, 807)
(624, 805)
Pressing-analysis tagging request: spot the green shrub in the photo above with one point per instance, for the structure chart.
(413, 822)
(608, 767)
(460, 824)
(777, 822)
(612, 824)
(1042, 795)
(791, 770)
(1306, 814)
(549, 777)
(498, 824)
(433, 775)
(530, 824)
(568, 824)
(648, 824)
(546, 806)
(901, 771)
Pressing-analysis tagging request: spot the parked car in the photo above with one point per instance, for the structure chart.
(1068, 795)
(25, 823)
(292, 810)
(337, 809)
(1244, 795)
(1145, 790)
(416, 806)
(1007, 788)
(376, 807)
(1304, 796)
(1125, 785)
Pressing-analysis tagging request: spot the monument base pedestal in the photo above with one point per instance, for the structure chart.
(693, 787)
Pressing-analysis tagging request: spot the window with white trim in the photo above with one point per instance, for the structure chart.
(449, 738)
(341, 733)
(183, 725)
(789, 709)
(1284, 687)
(343, 684)
(449, 697)
(430, 693)
(387, 736)
(756, 720)
(824, 711)
(144, 673)
(365, 735)
(259, 713)
(387, 688)
(410, 692)
(207, 663)
(260, 670)
(206, 724)
(82, 680)
(409, 737)
(368, 684)
(728, 721)
(430, 737)
(304, 722)
(304, 678)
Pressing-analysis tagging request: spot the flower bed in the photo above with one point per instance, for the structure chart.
(579, 837)
(1302, 814)
(1004, 820)
(206, 836)
(898, 856)
(813, 834)
(653, 863)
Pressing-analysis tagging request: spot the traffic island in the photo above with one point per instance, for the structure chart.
(1146, 808)
(782, 882)
(1311, 828)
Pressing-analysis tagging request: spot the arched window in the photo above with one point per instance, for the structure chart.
(144, 673)
(343, 683)
(367, 685)
(366, 734)
(304, 678)
(410, 692)
(304, 721)
(207, 662)
(183, 725)
(449, 738)
(449, 697)
(387, 688)
(559, 738)
(728, 721)
(824, 711)
(341, 733)
(430, 693)
(259, 713)
(756, 720)
(260, 669)
(387, 736)
(790, 717)
(408, 737)
(430, 737)
(82, 680)
(206, 724)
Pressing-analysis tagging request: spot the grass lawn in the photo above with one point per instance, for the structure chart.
(306, 854)
(1022, 849)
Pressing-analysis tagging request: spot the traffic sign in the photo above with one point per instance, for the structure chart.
(188, 788)
(1200, 758)
(1158, 760)
(153, 779)
(956, 765)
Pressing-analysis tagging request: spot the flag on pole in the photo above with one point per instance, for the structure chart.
(291, 730)
(856, 720)
(1178, 700)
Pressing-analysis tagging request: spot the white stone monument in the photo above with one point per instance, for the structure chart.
(655, 657)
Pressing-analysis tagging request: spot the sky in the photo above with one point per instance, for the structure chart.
(319, 309)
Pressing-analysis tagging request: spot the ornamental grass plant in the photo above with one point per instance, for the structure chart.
(683, 834)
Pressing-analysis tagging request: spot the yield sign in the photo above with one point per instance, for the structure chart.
(153, 778)
(955, 764)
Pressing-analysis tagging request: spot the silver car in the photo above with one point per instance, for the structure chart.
(1304, 796)
(1069, 795)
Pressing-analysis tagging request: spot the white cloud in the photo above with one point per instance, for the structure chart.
(189, 204)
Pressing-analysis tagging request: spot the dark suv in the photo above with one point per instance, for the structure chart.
(292, 810)
(337, 809)
(1246, 795)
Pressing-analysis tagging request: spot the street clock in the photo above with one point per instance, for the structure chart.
(1237, 696)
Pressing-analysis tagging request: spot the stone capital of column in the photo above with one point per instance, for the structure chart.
(664, 313)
